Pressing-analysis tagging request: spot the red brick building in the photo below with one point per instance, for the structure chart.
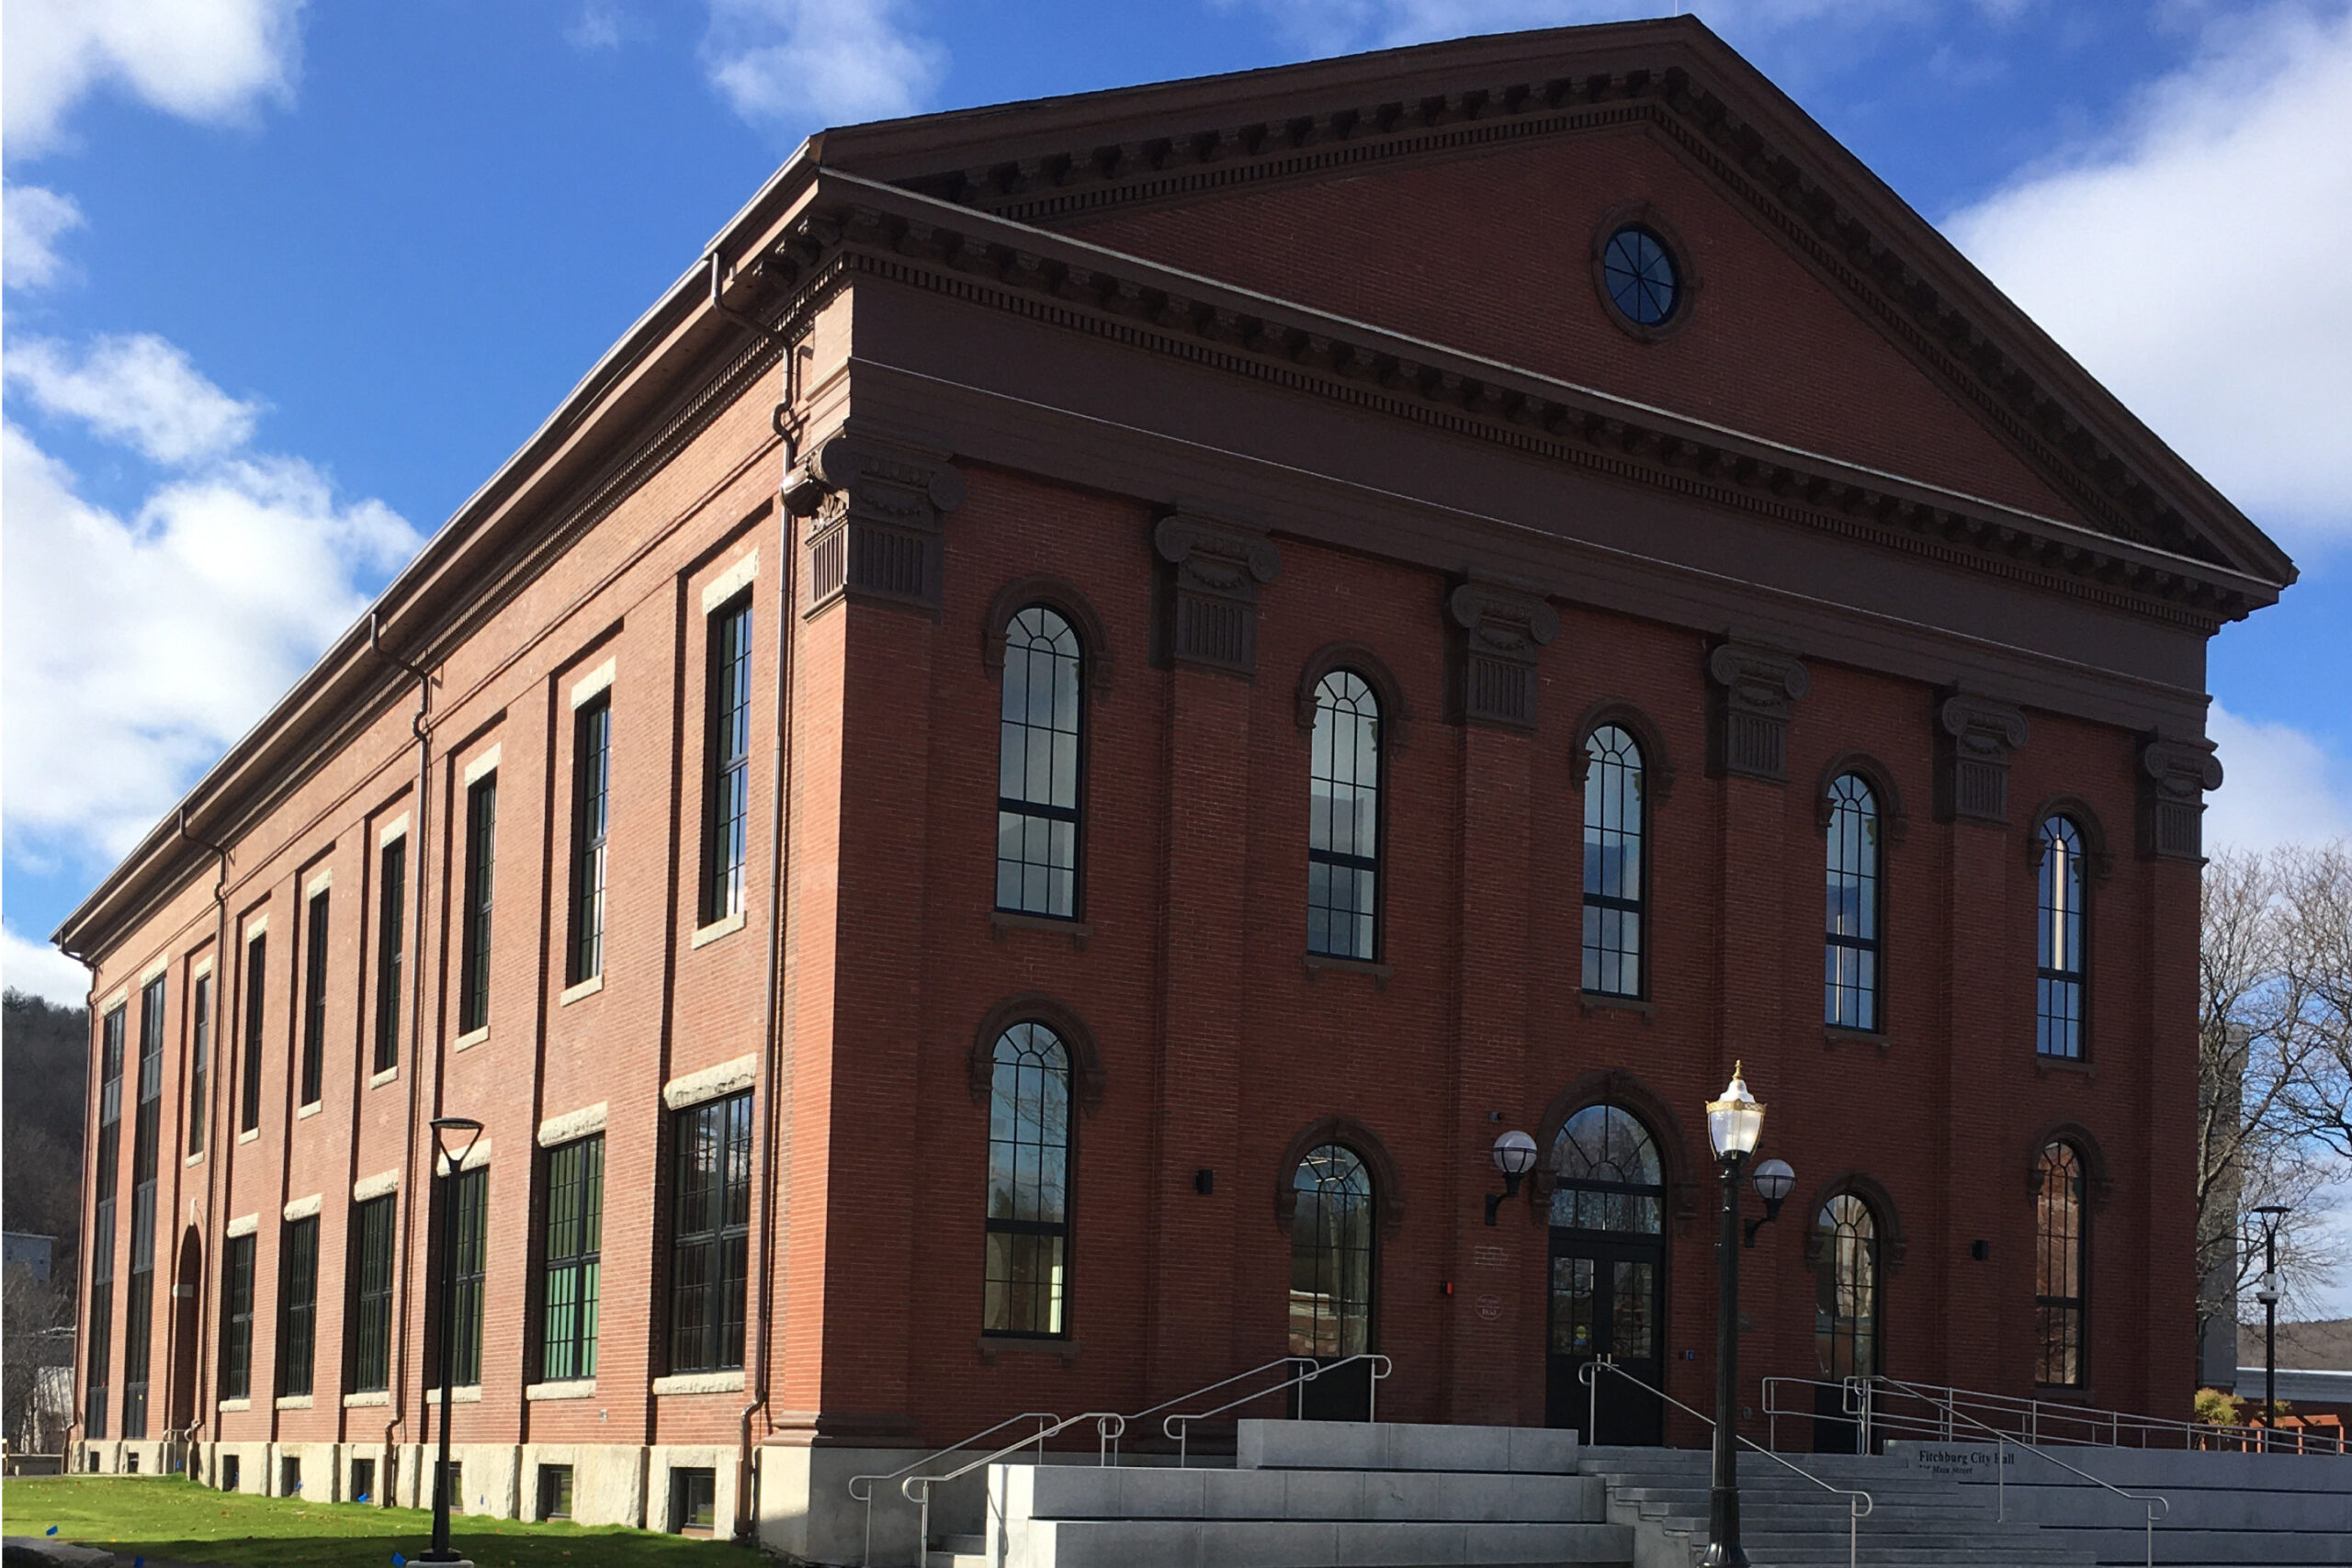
(998, 810)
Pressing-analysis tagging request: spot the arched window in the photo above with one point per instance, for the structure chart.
(1343, 820)
(1606, 1173)
(1330, 1255)
(1613, 872)
(2060, 1263)
(1037, 767)
(2058, 940)
(1850, 960)
(1028, 1204)
(1845, 1319)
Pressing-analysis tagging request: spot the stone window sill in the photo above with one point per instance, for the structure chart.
(1602, 1002)
(582, 991)
(293, 1401)
(2045, 1065)
(471, 1037)
(705, 935)
(1003, 921)
(1833, 1036)
(991, 1346)
(568, 1388)
(307, 1111)
(1317, 964)
(367, 1397)
(249, 1135)
(700, 1382)
(464, 1393)
(194, 1159)
(230, 1406)
(379, 1080)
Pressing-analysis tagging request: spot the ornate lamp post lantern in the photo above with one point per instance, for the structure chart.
(1734, 1123)
(2267, 1292)
(452, 1161)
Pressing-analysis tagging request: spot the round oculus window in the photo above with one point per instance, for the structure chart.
(1640, 274)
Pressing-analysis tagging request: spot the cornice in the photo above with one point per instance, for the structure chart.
(886, 235)
(1796, 180)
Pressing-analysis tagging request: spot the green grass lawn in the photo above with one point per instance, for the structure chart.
(171, 1516)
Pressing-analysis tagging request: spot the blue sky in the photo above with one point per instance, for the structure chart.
(286, 283)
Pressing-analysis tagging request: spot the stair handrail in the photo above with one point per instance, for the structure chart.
(1859, 1504)
(2154, 1501)
(1380, 1364)
(2047, 1422)
(861, 1487)
(1108, 1427)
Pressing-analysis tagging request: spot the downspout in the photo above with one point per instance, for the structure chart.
(199, 1417)
(387, 1488)
(779, 826)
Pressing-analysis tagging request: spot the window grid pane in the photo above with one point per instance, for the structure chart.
(391, 935)
(373, 1225)
(1606, 1173)
(481, 856)
(100, 1374)
(575, 1221)
(315, 999)
(1343, 820)
(256, 998)
(472, 1198)
(711, 1242)
(1330, 1255)
(200, 1090)
(1850, 956)
(298, 1291)
(1846, 1306)
(1613, 904)
(146, 1143)
(2058, 936)
(1039, 756)
(237, 1320)
(2059, 1269)
(592, 741)
(1027, 1274)
(727, 752)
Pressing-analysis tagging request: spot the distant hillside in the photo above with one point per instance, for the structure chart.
(44, 1057)
(2324, 1346)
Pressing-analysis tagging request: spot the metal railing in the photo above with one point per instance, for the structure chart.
(1108, 1426)
(861, 1487)
(2036, 1421)
(1859, 1503)
(1179, 1426)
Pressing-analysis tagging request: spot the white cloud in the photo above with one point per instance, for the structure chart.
(2278, 786)
(201, 60)
(2196, 260)
(598, 26)
(34, 218)
(136, 649)
(39, 969)
(137, 389)
(800, 64)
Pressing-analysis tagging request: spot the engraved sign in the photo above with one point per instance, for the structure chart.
(1489, 1308)
(1487, 1257)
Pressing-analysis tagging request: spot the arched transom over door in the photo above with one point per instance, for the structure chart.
(1845, 1319)
(1608, 1277)
(1332, 1278)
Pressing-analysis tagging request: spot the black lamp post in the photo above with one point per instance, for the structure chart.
(2267, 1292)
(451, 1163)
(1734, 1123)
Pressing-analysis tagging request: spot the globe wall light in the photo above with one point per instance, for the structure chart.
(1514, 1156)
(1773, 1179)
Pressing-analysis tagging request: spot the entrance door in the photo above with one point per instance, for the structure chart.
(1845, 1321)
(1607, 1278)
(1331, 1278)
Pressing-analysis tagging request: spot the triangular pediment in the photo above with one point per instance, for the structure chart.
(1454, 193)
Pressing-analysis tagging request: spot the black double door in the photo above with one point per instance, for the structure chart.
(1608, 1298)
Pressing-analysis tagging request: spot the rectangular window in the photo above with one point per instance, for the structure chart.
(453, 1478)
(727, 752)
(694, 1496)
(237, 1322)
(363, 1481)
(231, 1472)
(315, 999)
(472, 1197)
(574, 1232)
(373, 1225)
(101, 1361)
(256, 975)
(199, 1067)
(147, 1138)
(555, 1491)
(290, 1476)
(710, 1236)
(391, 933)
(297, 1303)
(592, 747)
(481, 852)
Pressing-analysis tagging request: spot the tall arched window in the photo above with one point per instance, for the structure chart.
(1037, 767)
(1028, 1203)
(2058, 940)
(1330, 1255)
(1614, 905)
(1343, 820)
(1845, 1319)
(2060, 1263)
(1851, 959)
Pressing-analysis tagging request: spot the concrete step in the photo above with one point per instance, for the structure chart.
(1071, 1492)
(1217, 1543)
(1382, 1445)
